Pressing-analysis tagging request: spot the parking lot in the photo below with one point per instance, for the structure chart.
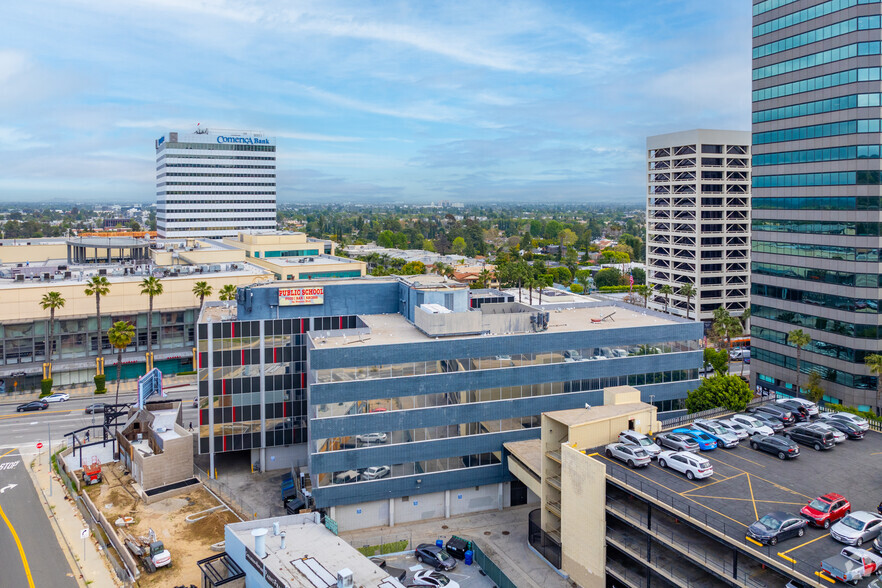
(748, 484)
(466, 576)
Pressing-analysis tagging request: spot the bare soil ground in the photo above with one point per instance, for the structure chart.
(187, 542)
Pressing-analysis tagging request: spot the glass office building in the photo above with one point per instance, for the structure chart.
(816, 194)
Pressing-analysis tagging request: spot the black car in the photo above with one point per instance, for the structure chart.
(851, 430)
(777, 526)
(33, 405)
(776, 445)
(777, 412)
(97, 407)
(434, 556)
(776, 425)
(808, 435)
(394, 572)
(800, 412)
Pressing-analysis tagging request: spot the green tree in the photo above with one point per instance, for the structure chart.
(202, 290)
(666, 291)
(120, 336)
(413, 268)
(718, 360)
(723, 391)
(385, 239)
(50, 302)
(644, 291)
(798, 339)
(98, 286)
(639, 275)
(227, 293)
(687, 290)
(583, 277)
(606, 277)
(577, 288)
(726, 326)
(459, 245)
(150, 287)
(814, 390)
(484, 278)
(874, 363)
(563, 275)
(428, 245)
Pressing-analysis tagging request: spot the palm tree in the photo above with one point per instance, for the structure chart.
(201, 289)
(645, 291)
(687, 290)
(798, 339)
(50, 302)
(874, 362)
(667, 291)
(228, 293)
(726, 325)
(120, 336)
(98, 286)
(151, 287)
(484, 278)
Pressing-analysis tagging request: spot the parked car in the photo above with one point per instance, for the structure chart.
(815, 438)
(800, 412)
(32, 405)
(847, 417)
(752, 424)
(676, 441)
(857, 528)
(877, 544)
(376, 472)
(705, 442)
(849, 429)
(775, 411)
(635, 457)
(777, 526)
(371, 438)
(733, 427)
(57, 397)
(95, 408)
(397, 573)
(838, 436)
(571, 355)
(810, 406)
(852, 565)
(430, 578)
(434, 556)
(775, 424)
(640, 440)
(690, 464)
(346, 477)
(718, 433)
(825, 510)
(776, 445)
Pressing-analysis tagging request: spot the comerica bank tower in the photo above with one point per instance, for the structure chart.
(816, 194)
(215, 184)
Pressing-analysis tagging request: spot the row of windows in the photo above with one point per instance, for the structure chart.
(216, 166)
(832, 301)
(846, 127)
(815, 155)
(237, 184)
(229, 334)
(175, 156)
(216, 201)
(319, 275)
(768, 5)
(831, 375)
(217, 146)
(212, 230)
(860, 178)
(820, 58)
(212, 175)
(178, 221)
(861, 74)
(818, 251)
(291, 253)
(820, 347)
(206, 193)
(818, 227)
(817, 275)
(818, 107)
(810, 321)
(810, 13)
(819, 203)
(168, 214)
(862, 23)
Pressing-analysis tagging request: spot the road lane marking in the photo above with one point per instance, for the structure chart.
(807, 542)
(752, 499)
(23, 415)
(8, 452)
(7, 487)
(24, 558)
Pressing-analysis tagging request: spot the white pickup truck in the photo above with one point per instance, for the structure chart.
(852, 565)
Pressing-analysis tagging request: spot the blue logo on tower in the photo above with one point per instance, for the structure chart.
(243, 140)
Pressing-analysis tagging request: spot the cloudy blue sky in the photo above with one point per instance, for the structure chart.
(393, 101)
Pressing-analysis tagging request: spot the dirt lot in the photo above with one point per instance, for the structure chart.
(187, 542)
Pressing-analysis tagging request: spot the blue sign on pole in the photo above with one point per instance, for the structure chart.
(148, 385)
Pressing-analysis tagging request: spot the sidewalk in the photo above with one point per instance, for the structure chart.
(89, 566)
(88, 390)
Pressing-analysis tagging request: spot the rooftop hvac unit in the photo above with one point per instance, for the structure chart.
(344, 578)
(102, 272)
(19, 277)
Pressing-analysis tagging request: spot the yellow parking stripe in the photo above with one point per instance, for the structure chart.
(754, 541)
(807, 542)
(712, 483)
(752, 499)
(821, 575)
(24, 558)
(678, 476)
(747, 499)
(788, 558)
(745, 459)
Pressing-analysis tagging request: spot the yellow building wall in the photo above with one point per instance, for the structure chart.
(32, 253)
(583, 518)
(263, 242)
(295, 270)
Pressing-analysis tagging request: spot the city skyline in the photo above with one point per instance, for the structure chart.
(506, 102)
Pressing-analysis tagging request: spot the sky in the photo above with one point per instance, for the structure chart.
(395, 101)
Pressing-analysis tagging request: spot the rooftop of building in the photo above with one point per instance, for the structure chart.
(308, 261)
(312, 556)
(104, 242)
(575, 417)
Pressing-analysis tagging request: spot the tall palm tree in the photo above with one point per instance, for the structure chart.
(50, 302)
(645, 291)
(151, 287)
(228, 293)
(798, 339)
(874, 362)
(726, 325)
(687, 290)
(120, 336)
(201, 289)
(98, 286)
(667, 291)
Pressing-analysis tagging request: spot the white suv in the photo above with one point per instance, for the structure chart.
(754, 426)
(640, 440)
(692, 465)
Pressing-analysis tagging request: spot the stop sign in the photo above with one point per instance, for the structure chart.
(39, 446)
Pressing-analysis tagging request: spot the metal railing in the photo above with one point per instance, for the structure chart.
(244, 509)
(541, 541)
(713, 412)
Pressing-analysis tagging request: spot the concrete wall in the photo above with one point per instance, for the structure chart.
(22, 253)
(174, 464)
(283, 458)
(341, 299)
(583, 518)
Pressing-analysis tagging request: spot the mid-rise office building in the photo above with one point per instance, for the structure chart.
(816, 194)
(698, 221)
(214, 185)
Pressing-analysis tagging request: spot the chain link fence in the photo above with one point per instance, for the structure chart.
(245, 510)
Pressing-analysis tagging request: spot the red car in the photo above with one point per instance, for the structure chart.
(825, 510)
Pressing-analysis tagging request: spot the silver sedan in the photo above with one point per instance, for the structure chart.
(635, 457)
(677, 442)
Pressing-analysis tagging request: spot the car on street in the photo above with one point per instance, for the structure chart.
(434, 556)
(817, 439)
(635, 457)
(752, 425)
(825, 510)
(852, 565)
(376, 472)
(738, 354)
(850, 430)
(734, 427)
(371, 438)
(96, 407)
(705, 442)
(640, 440)
(676, 441)
(800, 412)
(783, 447)
(857, 528)
(775, 411)
(691, 465)
(430, 578)
(810, 406)
(714, 430)
(847, 417)
(838, 436)
(32, 405)
(777, 526)
(57, 397)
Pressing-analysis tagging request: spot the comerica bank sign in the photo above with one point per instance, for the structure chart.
(244, 140)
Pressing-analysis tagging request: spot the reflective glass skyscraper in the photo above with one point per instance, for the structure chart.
(816, 194)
